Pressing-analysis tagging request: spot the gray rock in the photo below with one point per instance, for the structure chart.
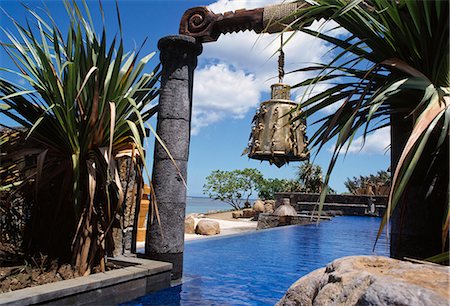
(267, 221)
(371, 280)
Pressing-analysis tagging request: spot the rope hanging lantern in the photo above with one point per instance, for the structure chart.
(274, 137)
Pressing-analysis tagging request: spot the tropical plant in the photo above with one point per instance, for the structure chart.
(268, 187)
(233, 187)
(392, 68)
(377, 183)
(85, 101)
(310, 176)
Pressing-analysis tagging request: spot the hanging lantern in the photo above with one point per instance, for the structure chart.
(274, 137)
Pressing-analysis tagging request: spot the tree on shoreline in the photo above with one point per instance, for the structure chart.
(233, 187)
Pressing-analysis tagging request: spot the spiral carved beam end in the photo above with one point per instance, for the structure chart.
(205, 26)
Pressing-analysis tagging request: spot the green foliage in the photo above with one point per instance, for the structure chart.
(84, 102)
(356, 184)
(310, 176)
(270, 186)
(395, 56)
(233, 187)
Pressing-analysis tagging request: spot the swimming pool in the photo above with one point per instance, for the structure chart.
(257, 268)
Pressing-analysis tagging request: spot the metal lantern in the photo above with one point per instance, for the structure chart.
(274, 137)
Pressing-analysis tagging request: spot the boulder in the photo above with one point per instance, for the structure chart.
(258, 206)
(270, 202)
(371, 280)
(236, 214)
(268, 208)
(248, 213)
(189, 225)
(207, 227)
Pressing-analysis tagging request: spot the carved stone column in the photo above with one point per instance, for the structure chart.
(165, 241)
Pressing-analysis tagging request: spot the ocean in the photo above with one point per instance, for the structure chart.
(203, 205)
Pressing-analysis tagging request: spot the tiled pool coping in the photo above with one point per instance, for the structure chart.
(138, 277)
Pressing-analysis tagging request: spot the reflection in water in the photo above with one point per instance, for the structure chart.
(258, 268)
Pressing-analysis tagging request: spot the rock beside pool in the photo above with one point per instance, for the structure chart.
(258, 206)
(269, 206)
(189, 225)
(236, 214)
(207, 227)
(371, 280)
(268, 209)
(248, 213)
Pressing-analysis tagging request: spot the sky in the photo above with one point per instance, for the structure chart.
(233, 76)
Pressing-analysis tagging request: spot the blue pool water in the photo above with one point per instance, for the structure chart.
(257, 268)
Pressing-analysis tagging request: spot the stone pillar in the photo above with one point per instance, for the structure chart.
(165, 241)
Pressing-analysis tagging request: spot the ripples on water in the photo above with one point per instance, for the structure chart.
(258, 268)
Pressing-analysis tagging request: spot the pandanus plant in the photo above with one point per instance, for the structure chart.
(84, 101)
(391, 69)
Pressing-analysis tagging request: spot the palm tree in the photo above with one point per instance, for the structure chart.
(378, 183)
(310, 177)
(392, 69)
(84, 102)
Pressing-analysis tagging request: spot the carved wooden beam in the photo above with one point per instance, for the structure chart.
(206, 26)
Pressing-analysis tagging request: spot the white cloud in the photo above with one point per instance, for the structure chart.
(376, 143)
(221, 92)
(223, 6)
(234, 71)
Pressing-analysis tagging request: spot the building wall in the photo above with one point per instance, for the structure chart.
(349, 205)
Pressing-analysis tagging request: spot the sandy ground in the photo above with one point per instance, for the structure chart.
(228, 225)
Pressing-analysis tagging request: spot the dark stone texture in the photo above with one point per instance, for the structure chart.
(268, 221)
(167, 237)
(137, 278)
(167, 182)
(169, 107)
(179, 144)
(179, 59)
(349, 205)
(130, 180)
(176, 259)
